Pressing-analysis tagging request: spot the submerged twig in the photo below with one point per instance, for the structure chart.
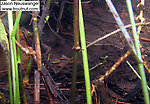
(60, 15)
(76, 50)
(140, 17)
(38, 59)
(28, 50)
(55, 90)
(121, 59)
(42, 18)
(114, 32)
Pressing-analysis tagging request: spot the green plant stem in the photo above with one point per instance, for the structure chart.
(18, 49)
(12, 32)
(26, 77)
(76, 50)
(22, 89)
(9, 79)
(137, 45)
(124, 31)
(17, 98)
(136, 73)
(84, 56)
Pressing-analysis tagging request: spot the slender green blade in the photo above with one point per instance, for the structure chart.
(5, 45)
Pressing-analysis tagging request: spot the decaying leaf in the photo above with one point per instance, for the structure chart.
(3, 38)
